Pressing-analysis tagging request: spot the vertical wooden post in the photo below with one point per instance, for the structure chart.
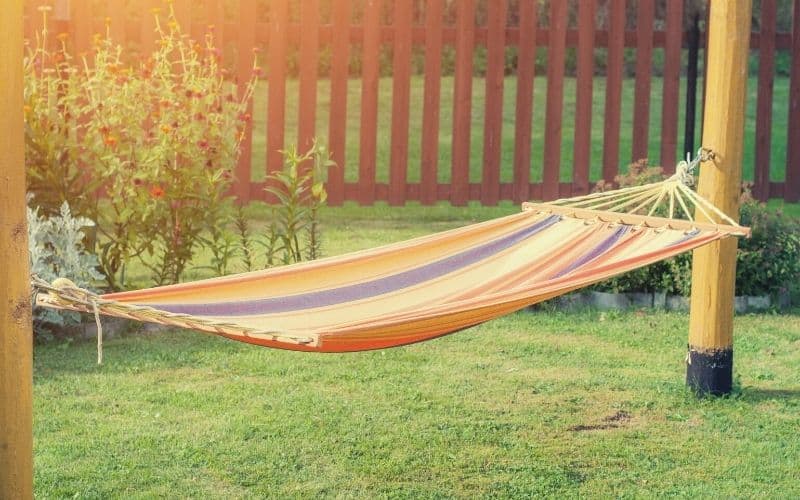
(710, 360)
(16, 345)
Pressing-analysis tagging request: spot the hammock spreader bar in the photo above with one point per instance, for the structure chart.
(431, 286)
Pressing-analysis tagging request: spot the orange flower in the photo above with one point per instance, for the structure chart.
(165, 128)
(110, 141)
(156, 192)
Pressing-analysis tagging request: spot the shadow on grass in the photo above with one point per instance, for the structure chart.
(757, 395)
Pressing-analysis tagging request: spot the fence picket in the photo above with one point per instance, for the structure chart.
(766, 72)
(276, 83)
(792, 189)
(555, 100)
(183, 14)
(526, 66)
(401, 88)
(431, 104)
(81, 25)
(462, 102)
(309, 57)
(671, 79)
(611, 128)
(147, 34)
(644, 62)
(244, 71)
(337, 126)
(369, 101)
(583, 97)
(493, 113)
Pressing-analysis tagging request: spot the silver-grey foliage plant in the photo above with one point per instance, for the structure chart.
(57, 250)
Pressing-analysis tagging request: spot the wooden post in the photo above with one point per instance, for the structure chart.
(16, 346)
(710, 360)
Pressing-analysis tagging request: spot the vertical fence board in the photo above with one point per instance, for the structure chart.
(431, 108)
(183, 14)
(401, 87)
(672, 74)
(117, 17)
(493, 114)
(215, 21)
(792, 190)
(766, 73)
(244, 71)
(644, 61)
(81, 25)
(276, 87)
(147, 37)
(526, 66)
(337, 126)
(555, 100)
(369, 101)
(462, 101)
(309, 57)
(583, 97)
(616, 41)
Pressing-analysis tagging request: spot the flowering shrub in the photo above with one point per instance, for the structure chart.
(159, 138)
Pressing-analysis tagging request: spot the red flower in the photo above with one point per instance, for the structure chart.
(203, 144)
(156, 192)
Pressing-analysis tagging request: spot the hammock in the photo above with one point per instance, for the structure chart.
(431, 286)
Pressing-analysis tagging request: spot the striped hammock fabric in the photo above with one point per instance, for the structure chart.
(415, 290)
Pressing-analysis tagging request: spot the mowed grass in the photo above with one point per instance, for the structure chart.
(533, 404)
(778, 129)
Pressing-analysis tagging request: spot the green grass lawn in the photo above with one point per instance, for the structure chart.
(534, 404)
(778, 148)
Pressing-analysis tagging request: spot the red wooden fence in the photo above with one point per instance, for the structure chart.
(359, 27)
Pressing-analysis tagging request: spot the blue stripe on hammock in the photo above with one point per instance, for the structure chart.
(360, 291)
(595, 252)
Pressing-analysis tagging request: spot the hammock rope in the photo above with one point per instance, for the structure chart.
(258, 296)
(64, 293)
(652, 195)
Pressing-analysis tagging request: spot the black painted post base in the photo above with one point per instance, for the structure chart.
(710, 372)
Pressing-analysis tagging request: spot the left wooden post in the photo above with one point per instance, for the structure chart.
(16, 346)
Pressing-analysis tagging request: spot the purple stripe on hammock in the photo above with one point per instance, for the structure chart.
(595, 252)
(364, 290)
